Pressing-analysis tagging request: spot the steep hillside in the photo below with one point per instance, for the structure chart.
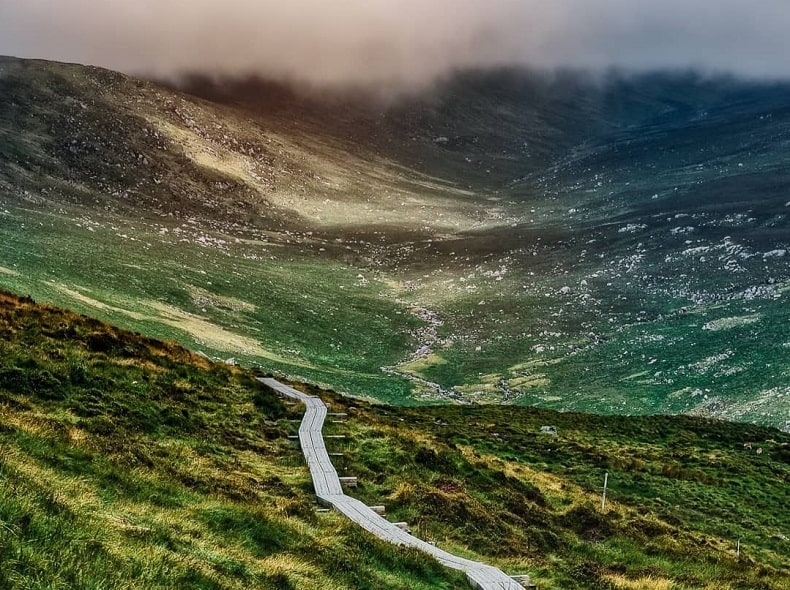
(133, 463)
(616, 245)
(129, 462)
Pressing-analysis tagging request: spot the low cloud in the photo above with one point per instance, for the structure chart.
(399, 42)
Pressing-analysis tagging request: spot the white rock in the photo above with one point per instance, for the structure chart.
(632, 228)
(775, 254)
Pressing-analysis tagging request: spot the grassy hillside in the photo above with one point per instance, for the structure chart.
(129, 462)
(618, 246)
(681, 493)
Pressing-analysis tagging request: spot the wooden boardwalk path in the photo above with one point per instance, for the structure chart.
(330, 493)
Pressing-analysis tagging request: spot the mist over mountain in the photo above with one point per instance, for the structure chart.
(403, 44)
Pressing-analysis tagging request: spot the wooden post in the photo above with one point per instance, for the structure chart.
(603, 499)
(738, 550)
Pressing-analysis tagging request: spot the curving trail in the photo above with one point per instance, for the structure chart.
(330, 493)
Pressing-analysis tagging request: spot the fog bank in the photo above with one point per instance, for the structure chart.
(399, 42)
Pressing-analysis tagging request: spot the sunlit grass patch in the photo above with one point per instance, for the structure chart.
(621, 582)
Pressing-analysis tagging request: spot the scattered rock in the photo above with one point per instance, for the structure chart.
(632, 228)
(775, 254)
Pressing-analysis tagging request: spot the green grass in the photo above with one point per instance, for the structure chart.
(302, 312)
(486, 483)
(131, 463)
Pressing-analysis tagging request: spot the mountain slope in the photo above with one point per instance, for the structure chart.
(129, 462)
(614, 245)
(133, 463)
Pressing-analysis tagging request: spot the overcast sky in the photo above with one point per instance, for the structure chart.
(399, 41)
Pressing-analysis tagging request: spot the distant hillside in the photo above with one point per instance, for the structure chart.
(129, 462)
(617, 245)
(502, 129)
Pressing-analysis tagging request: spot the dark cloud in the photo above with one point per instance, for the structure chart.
(399, 41)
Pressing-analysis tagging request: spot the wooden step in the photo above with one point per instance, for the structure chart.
(524, 580)
(348, 481)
